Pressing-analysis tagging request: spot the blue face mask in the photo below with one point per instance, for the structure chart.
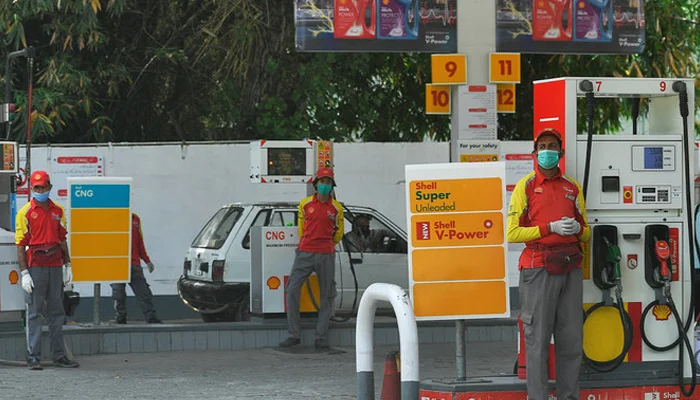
(324, 189)
(41, 197)
(548, 159)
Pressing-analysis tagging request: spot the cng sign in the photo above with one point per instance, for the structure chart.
(100, 229)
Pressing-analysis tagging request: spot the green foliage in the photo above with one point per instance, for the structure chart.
(143, 70)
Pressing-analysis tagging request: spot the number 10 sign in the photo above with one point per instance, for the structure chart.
(437, 99)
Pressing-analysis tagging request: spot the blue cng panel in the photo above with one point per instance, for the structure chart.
(100, 196)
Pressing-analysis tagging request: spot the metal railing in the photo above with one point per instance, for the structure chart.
(408, 339)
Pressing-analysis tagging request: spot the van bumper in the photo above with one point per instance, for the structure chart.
(210, 297)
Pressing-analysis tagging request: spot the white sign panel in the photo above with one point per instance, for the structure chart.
(63, 167)
(478, 114)
(457, 240)
(479, 150)
(278, 245)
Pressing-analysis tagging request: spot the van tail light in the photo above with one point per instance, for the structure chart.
(217, 270)
(186, 267)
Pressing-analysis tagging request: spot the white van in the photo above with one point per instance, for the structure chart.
(215, 279)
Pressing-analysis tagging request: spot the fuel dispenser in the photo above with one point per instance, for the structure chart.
(638, 190)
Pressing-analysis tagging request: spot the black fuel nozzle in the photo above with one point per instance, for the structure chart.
(680, 88)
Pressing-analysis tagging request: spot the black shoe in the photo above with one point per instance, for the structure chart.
(120, 320)
(290, 341)
(34, 365)
(321, 344)
(154, 320)
(64, 362)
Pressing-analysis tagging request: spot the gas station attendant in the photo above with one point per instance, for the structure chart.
(547, 213)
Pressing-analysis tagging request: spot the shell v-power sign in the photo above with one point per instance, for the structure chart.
(457, 244)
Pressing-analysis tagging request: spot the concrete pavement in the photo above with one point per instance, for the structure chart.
(240, 374)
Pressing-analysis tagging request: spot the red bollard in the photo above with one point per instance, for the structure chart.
(391, 385)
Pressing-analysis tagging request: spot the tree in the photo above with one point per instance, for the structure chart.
(138, 70)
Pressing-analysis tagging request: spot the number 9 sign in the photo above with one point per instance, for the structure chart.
(449, 69)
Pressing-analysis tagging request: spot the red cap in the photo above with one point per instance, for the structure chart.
(325, 173)
(39, 178)
(551, 132)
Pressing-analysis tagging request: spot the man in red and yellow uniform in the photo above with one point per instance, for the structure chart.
(320, 222)
(547, 213)
(40, 235)
(138, 280)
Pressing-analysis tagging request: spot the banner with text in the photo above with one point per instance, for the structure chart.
(570, 26)
(376, 25)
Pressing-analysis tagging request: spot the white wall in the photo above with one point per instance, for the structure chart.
(176, 188)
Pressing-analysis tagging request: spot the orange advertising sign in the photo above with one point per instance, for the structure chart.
(451, 195)
(440, 230)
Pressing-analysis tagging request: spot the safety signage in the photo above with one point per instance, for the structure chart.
(10, 158)
(100, 229)
(63, 167)
(479, 150)
(477, 108)
(457, 241)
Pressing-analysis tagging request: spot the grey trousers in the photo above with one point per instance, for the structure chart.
(48, 287)
(304, 264)
(552, 304)
(142, 291)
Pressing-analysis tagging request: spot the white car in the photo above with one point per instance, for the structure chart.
(216, 273)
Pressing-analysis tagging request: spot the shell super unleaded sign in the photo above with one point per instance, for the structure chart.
(456, 221)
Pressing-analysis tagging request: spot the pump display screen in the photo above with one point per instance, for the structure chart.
(286, 162)
(653, 158)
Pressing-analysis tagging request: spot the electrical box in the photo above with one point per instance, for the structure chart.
(288, 161)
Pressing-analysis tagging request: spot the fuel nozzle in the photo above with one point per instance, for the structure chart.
(663, 252)
(613, 260)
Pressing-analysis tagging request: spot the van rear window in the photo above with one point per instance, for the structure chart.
(215, 232)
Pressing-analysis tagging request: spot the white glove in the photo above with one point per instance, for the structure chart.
(151, 267)
(67, 274)
(574, 228)
(561, 227)
(27, 282)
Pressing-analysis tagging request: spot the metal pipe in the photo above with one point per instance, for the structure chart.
(408, 340)
(96, 305)
(461, 349)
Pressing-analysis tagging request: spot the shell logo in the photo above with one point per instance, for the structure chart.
(273, 282)
(581, 4)
(661, 312)
(14, 277)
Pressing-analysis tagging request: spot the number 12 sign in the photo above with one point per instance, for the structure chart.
(437, 99)
(506, 97)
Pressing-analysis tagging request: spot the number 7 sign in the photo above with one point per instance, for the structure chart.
(437, 99)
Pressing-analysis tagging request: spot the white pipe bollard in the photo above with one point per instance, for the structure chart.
(408, 340)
